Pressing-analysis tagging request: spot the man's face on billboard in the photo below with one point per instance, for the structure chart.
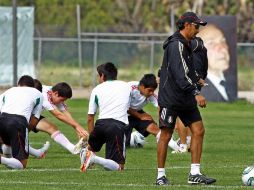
(217, 49)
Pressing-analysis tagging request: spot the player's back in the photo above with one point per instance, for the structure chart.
(21, 101)
(113, 100)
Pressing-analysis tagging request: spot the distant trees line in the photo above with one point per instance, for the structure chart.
(132, 15)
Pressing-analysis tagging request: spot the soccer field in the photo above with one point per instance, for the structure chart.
(228, 149)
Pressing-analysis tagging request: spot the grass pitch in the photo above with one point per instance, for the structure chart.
(228, 149)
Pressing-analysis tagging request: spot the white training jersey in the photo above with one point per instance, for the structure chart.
(47, 103)
(112, 98)
(138, 101)
(22, 101)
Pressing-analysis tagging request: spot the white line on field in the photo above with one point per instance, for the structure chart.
(110, 184)
(127, 169)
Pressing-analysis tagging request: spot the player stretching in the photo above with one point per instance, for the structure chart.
(111, 96)
(21, 106)
(53, 101)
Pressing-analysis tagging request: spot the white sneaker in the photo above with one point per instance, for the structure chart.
(86, 158)
(44, 150)
(81, 144)
(181, 148)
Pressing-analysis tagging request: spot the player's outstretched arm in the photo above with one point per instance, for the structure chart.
(66, 117)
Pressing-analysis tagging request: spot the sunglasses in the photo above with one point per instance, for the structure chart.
(196, 25)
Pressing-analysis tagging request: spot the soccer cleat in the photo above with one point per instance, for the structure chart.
(200, 179)
(86, 158)
(44, 150)
(81, 144)
(162, 181)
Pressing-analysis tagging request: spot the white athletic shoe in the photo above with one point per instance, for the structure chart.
(86, 159)
(180, 148)
(44, 150)
(81, 144)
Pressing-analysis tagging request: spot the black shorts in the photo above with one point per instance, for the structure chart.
(188, 116)
(111, 132)
(14, 132)
(139, 125)
(34, 129)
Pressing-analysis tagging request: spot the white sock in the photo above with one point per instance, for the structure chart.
(161, 172)
(158, 136)
(172, 144)
(195, 169)
(63, 141)
(35, 152)
(106, 163)
(11, 163)
(7, 152)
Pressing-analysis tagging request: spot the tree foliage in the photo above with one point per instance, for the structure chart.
(59, 16)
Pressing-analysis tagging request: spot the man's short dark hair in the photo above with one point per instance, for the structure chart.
(26, 80)
(38, 85)
(149, 81)
(109, 71)
(63, 89)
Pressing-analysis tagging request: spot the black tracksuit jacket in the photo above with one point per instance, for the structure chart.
(178, 78)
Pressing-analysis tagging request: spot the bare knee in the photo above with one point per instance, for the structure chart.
(166, 134)
(199, 131)
(153, 129)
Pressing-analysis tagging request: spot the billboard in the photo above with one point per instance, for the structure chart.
(220, 39)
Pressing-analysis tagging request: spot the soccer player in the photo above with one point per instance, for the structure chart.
(142, 93)
(21, 107)
(112, 98)
(38, 153)
(53, 101)
(179, 96)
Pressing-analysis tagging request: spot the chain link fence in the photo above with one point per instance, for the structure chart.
(58, 59)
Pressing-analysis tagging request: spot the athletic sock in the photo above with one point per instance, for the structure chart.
(11, 163)
(63, 141)
(195, 169)
(172, 144)
(35, 152)
(161, 172)
(106, 163)
(7, 152)
(158, 136)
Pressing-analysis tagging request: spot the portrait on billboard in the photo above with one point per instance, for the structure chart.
(219, 37)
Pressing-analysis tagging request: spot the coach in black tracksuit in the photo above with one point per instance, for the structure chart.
(179, 96)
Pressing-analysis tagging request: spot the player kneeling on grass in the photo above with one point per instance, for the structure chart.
(111, 96)
(20, 108)
(142, 93)
(37, 153)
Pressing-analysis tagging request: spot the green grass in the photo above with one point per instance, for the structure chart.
(228, 149)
